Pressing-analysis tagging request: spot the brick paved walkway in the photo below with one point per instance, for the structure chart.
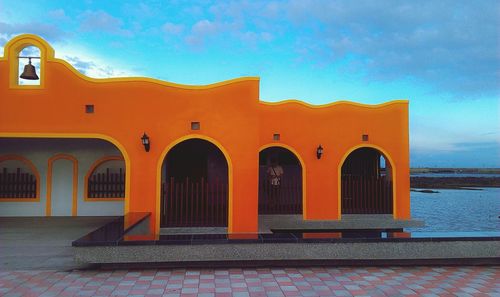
(365, 281)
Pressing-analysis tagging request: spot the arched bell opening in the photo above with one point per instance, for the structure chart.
(280, 182)
(29, 66)
(194, 188)
(366, 183)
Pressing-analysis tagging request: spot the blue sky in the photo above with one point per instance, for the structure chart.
(444, 56)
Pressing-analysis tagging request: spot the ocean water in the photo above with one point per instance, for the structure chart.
(457, 210)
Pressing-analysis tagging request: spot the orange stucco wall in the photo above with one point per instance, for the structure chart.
(231, 116)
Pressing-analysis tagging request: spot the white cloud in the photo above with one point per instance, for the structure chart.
(92, 65)
(171, 28)
(140, 10)
(452, 45)
(47, 31)
(204, 27)
(200, 31)
(58, 15)
(102, 21)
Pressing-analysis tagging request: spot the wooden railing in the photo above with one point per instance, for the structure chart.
(194, 203)
(283, 199)
(17, 184)
(366, 195)
(106, 185)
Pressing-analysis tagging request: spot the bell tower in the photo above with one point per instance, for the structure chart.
(27, 56)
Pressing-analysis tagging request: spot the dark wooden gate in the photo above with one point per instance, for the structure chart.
(366, 195)
(107, 185)
(194, 203)
(17, 184)
(285, 198)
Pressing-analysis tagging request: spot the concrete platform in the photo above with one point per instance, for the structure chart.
(32, 243)
(365, 221)
(113, 244)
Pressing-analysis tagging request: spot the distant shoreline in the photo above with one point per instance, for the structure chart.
(463, 183)
(455, 170)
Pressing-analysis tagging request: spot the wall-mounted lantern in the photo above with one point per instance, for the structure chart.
(319, 152)
(29, 70)
(145, 141)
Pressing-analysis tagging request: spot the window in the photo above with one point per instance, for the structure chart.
(18, 179)
(106, 179)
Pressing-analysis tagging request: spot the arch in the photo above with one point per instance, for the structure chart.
(339, 174)
(302, 164)
(229, 173)
(12, 50)
(33, 169)
(110, 139)
(74, 208)
(89, 173)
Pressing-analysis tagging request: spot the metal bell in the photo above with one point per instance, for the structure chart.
(29, 72)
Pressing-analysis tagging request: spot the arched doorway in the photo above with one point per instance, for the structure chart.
(194, 185)
(62, 186)
(280, 182)
(366, 183)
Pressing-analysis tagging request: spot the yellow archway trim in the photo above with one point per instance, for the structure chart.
(74, 207)
(15, 45)
(229, 173)
(342, 102)
(93, 167)
(110, 139)
(34, 170)
(302, 163)
(394, 179)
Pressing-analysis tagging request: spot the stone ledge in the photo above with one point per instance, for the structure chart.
(289, 252)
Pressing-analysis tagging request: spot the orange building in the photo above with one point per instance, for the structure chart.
(192, 156)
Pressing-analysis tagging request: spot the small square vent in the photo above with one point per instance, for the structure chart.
(89, 108)
(195, 125)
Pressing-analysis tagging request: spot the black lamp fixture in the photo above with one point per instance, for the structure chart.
(145, 141)
(29, 70)
(319, 152)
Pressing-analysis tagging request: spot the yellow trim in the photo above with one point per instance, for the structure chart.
(302, 163)
(342, 102)
(229, 173)
(19, 42)
(91, 171)
(74, 208)
(33, 170)
(393, 168)
(110, 139)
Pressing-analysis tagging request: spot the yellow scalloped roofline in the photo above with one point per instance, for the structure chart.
(342, 102)
(153, 80)
(48, 53)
